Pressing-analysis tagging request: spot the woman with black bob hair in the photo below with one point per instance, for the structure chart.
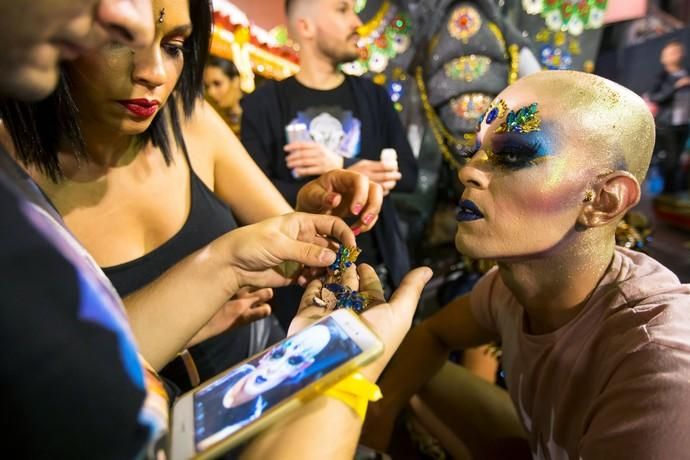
(145, 173)
(44, 126)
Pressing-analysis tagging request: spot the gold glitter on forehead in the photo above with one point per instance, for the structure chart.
(606, 123)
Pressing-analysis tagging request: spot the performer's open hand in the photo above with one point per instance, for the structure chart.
(390, 320)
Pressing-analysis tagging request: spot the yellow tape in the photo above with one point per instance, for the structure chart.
(355, 391)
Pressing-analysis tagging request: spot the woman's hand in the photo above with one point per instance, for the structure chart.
(270, 253)
(343, 193)
(248, 305)
(390, 320)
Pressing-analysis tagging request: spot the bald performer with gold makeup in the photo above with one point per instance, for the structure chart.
(595, 338)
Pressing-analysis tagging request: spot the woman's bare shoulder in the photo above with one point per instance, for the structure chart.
(208, 131)
(204, 119)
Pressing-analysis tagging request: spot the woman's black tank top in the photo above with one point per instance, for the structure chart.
(208, 219)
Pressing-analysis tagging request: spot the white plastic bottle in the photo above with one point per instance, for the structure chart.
(389, 158)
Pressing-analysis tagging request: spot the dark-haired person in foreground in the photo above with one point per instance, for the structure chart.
(145, 173)
(73, 385)
(595, 338)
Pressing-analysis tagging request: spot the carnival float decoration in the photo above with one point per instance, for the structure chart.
(254, 50)
(565, 34)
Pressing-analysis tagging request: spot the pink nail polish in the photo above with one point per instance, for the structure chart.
(357, 209)
(368, 219)
(357, 231)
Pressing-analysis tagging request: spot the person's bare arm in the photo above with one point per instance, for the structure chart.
(325, 427)
(237, 179)
(167, 313)
(420, 357)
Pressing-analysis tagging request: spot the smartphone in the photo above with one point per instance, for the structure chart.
(247, 398)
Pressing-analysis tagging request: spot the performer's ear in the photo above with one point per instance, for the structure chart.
(609, 199)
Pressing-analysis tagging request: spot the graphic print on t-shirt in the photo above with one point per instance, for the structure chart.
(334, 128)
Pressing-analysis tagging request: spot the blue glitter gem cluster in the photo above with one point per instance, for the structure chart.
(347, 298)
(344, 259)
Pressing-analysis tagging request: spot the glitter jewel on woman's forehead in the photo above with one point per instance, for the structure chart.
(497, 109)
(161, 16)
(525, 120)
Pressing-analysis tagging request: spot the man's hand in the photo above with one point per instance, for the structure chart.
(343, 193)
(390, 320)
(311, 159)
(248, 305)
(683, 81)
(257, 254)
(386, 176)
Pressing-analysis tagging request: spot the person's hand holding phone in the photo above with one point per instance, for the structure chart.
(343, 193)
(390, 320)
(682, 82)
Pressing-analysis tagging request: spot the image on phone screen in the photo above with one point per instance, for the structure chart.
(252, 389)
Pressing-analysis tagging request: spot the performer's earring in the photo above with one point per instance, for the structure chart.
(589, 196)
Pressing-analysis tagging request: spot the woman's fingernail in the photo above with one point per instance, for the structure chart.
(368, 219)
(356, 209)
(327, 256)
(357, 230)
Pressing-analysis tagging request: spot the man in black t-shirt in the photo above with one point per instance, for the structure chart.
(322, 120)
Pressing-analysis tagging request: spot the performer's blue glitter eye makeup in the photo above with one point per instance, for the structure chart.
(517, 151)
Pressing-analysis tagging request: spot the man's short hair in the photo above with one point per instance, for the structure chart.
(291, 7)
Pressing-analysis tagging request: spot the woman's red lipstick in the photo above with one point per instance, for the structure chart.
(142, 108)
